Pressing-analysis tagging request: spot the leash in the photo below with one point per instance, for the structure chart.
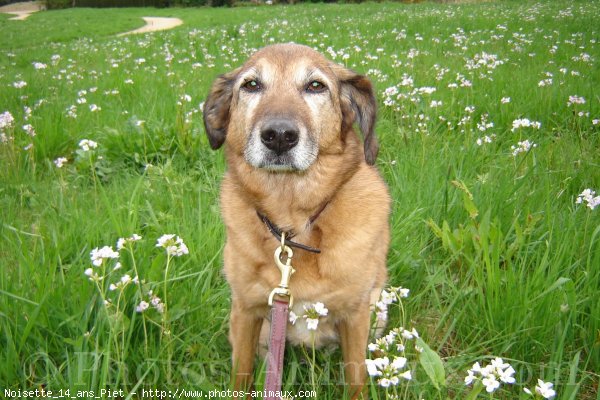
(280, 301)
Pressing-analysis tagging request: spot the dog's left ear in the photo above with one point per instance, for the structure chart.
(359, 105)
(216, 109)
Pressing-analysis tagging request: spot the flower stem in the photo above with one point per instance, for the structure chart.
(166, 330)
(312, 364)
(139, 287)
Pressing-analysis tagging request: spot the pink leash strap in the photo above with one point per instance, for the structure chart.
(279, 320)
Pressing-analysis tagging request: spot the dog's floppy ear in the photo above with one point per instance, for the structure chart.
(359, 105)
(216, 108)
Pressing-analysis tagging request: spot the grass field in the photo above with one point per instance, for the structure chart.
(489, 120)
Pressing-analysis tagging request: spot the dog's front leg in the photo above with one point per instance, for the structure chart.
(354, 337)
(244, 331)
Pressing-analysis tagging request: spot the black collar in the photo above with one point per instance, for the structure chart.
(276, 231)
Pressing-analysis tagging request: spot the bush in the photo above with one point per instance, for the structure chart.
(122, 3)
(190, 3)
(199, 3)
(57, 4)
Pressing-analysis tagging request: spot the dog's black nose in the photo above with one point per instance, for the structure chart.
(279, 135)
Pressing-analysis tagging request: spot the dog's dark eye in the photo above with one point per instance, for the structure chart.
(316, 87)
(252, 86)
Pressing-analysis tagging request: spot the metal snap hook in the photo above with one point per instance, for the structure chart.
(286, 273)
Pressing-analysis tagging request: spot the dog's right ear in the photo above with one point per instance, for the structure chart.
(216, 109)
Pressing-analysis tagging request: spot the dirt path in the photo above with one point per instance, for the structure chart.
(21, 10)
(155, 24)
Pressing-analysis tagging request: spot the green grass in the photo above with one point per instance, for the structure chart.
(500, 260)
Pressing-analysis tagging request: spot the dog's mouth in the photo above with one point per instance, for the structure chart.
(281, 163)
(270, 161)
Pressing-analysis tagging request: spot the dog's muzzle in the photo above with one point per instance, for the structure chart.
(280, 144)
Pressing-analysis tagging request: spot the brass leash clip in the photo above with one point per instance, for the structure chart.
(286, 272)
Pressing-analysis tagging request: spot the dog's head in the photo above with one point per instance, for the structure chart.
(287, 105)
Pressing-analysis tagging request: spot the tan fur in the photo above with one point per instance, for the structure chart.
(353, 229)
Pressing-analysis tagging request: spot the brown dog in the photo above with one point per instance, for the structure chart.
(286, 119)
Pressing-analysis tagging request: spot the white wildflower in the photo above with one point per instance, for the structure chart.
(544, 389)
(155, 301)
(485, 139)
(124, 241)
(160, 307)
(406, 80)
(506, 375)
(27, 113)
(522, 147)
(575, 100)
(490, 374)
(173, 244)
(406, 375)
(126, 279)
(312, 324)
(60, 161)
(312, 315)
(143, 306)
(389, 372)
(491, 383)
(391, 91)
(387, 297)
(320, 309)
(525, 123)
(87, 145)
(29, 129)
(99, 255)
(426, 90)
(72, 111)
(92, 275)
(588, 196)
(406, 334)
(6, 120)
